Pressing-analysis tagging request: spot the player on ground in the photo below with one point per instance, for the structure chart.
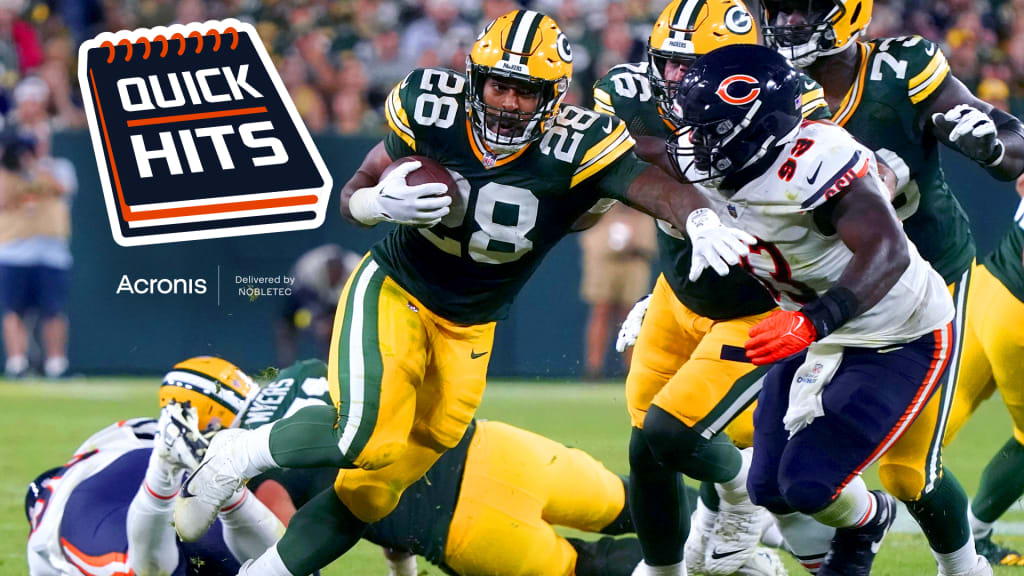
(898, 97)
(689, 380)
(864, 336)
(108, 510)
(415, 327)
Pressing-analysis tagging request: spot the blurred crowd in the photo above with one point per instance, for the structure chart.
(340, 58)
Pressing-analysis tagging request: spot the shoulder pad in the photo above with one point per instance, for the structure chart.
(588, 140)
(824, 159)
(623, 86)
(812, 98)
(912, 60)
(445, 90)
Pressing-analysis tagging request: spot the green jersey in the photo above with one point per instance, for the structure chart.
(882, 110)
(625, 91)
(297, 386)
(1006, 262)
(512, 209)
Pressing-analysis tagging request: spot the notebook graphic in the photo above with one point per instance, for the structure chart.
(196, 137)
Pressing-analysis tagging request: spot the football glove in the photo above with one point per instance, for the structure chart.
(781, 334)
(972, 132)
(393, 200)
(714, 245)
(178, 442)
(631, 325)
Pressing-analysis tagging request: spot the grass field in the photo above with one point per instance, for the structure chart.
(44, 422)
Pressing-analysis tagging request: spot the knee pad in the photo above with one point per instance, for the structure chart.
(904, 482)
(807, 495)
(764, 491)
(641, 459)
(369, 499)
(674, 444)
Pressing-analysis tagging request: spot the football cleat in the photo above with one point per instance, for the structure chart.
(763, 562)
(208, 489)
(177, 441)
(981, 568)
(733, 539)
(996, 554)
(697, 540)
(853, 549)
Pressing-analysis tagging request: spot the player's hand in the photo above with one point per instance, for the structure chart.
(178, 442)
(970, 131)
(779, 335)
(714, 245)
(631, 325)
(394, 200)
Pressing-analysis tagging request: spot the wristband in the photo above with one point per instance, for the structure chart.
(833, 309)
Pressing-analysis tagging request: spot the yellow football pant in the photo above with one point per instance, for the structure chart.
(406, 383)
(694, 368)
(515, 486)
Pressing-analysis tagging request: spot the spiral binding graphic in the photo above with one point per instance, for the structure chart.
(164, 42)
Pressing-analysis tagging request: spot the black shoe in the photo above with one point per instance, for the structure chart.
(996, 554)
(853, 549)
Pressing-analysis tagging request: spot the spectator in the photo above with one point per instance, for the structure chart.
(308, 100)
(320, 275)
(617, 254)
(430, 38)
(382, 55)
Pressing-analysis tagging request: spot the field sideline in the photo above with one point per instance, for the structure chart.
(45, 422)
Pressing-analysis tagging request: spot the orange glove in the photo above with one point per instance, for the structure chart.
(779, 335)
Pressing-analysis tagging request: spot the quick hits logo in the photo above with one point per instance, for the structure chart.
(196, 137)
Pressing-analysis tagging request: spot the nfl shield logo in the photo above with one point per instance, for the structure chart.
(489, 160)
(732, 210)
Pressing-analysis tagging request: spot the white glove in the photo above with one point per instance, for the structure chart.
(393, 200)
(631, 325)
(972, 132)
(714, 245)
(178, 444)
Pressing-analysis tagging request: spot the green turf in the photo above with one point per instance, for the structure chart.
(45, 422)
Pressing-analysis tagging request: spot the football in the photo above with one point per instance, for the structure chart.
(429, 171)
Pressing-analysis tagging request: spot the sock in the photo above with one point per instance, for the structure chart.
(1001, 483)
(709, 495)
(808, 539)
(406, 566)
(250, 527)
(734, 491)
(268, 564)
(703, 519)
(161, 481)
(321, 531)
(959, 561)
(252, 452)
(645, 569)
(979, 528)
(55, 366)
(152, 547)
(942, 514)
(660, 516)
(308, 439)
(16, 364)
(854, 507)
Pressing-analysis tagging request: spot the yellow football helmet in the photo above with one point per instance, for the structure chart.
(687, 29)
(216, 388)
(527, 48)
(802, 30)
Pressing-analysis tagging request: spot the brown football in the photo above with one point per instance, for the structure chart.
(429, 171)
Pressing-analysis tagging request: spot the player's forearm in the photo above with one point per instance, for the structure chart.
(1012, 164)
(655, 193)
(367, 175)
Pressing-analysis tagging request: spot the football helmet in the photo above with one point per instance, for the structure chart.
(802, 30)
(216, 388)
(688, 29)
(528, 48)
(733, 107)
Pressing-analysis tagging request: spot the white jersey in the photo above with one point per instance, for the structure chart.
(798, 263)
(45, 556)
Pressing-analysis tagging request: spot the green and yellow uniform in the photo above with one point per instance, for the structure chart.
(297, 386)
(882, 109)
(415, 324)
(689, 358)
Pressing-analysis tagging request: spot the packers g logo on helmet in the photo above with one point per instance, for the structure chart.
(687, 29)
(216, 388)
(802, 30)
(524, 47)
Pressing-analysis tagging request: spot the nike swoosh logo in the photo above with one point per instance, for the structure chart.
(474, 355)
(185, 492)
(608, 128)
(716, 555)
(813, 177)
(875, 546)
(809, 85)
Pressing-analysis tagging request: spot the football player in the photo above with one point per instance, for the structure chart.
(689, 380)
(415, 324)
(108, 510)
(864, 335)
(897, 96)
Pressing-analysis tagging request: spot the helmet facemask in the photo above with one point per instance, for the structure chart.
(507, 131)
(803, 30)
(664, 89)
